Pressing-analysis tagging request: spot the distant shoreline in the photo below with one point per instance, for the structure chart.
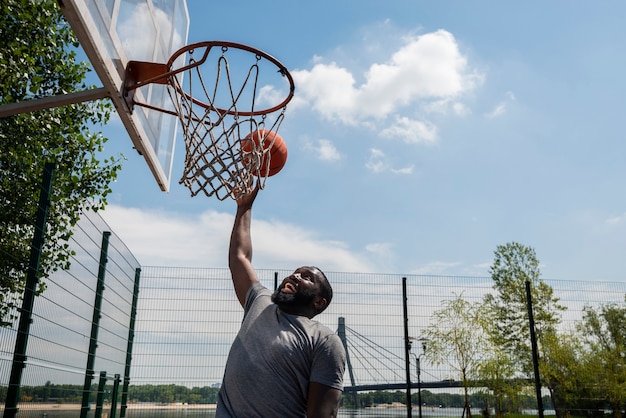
(39, 406)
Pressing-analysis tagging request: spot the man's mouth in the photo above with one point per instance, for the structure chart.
(289, 288)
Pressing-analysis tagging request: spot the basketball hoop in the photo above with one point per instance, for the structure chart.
(217, 115)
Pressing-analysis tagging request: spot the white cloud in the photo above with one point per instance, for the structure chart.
(379, 249)
(377, 161)
(426, 68)
(411, 131)
(447, 106)
(270, 96)
(461, 109)
(383, 254)
(499, 110)
(436, 267)
(617, 220)
(325, 150)
(478, 270)
(172, 239)
(158, 238)
(330, 89)
(404, 170)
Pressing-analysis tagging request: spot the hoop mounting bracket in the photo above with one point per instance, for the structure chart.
(140, 73)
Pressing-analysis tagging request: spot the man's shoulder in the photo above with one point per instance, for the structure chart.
(257, 294)
(257, 289)
(321, 332)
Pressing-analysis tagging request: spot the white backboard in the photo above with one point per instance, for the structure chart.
(112, 32)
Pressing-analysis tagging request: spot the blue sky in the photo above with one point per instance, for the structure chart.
(423, 134)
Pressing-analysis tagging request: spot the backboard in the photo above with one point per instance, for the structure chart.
(113, 32)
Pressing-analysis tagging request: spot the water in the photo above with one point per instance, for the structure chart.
(386, 413)
(56, 411)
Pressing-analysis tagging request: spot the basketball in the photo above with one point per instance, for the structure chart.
(276, 156)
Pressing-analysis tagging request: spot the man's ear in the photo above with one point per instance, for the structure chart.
(320, 303)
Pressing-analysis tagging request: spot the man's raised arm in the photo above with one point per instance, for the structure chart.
(240, 250)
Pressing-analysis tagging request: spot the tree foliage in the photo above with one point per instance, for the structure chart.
(38, 59)
(604, 331)
(456, 338)
(498, 372)
(566, 373)
(515, 264)
(584, 369)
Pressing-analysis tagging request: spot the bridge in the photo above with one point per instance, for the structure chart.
(384, 369)
(378, 364)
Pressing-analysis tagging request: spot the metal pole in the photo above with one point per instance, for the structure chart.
(129, 344)
(30, 289)
(33, 105)
(116, 389)
(407, 350)
(100, 396)
(533, 341)
(419, 385)
(95, 325)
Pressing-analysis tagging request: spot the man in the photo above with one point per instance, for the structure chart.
(282, 364)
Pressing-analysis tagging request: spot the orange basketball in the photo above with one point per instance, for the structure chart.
(277, 155)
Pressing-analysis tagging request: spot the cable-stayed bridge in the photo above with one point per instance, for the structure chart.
(372, 366)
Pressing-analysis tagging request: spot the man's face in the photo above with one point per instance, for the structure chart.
(298, 290)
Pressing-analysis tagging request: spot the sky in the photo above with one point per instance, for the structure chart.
(422, 135)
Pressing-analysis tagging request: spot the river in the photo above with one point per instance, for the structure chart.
(195, 412)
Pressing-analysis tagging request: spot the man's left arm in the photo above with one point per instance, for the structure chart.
(323, 401)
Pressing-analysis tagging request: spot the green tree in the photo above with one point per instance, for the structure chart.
(456, 338)
(498, 373)
(566, 368)
(38, 59)
(604, 331)
(515, 265)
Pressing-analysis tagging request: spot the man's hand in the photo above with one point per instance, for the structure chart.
(247, 200)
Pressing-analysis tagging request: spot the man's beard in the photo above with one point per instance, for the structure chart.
(300, 298)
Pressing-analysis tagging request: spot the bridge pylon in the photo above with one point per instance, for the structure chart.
(341, 332)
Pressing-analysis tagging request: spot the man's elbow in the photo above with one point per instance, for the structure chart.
(238, 258)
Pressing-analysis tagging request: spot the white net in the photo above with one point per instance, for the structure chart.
(218, 108)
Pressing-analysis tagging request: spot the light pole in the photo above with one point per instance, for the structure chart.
(419, 372)
(419, 384)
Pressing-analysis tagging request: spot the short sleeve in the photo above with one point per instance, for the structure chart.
(255, 291)
(329, 362)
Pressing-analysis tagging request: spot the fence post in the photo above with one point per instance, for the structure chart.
(30, 289)
(116, 390)
(95, 324)
(407, 350)
(533, 341)
(129, 345)
(100, 395)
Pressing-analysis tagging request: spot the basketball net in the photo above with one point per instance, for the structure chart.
(218, 107)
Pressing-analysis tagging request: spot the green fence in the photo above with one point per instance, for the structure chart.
(188, 318)
(78, 359)
(78, 341)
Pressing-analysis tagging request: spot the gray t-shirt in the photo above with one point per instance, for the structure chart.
(273, 359)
